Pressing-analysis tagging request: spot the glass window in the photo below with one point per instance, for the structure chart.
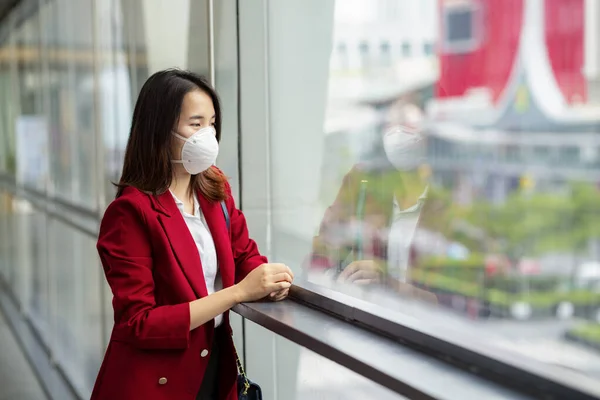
(359, 201)
(62, 85)
(512, 153)
(226, 75)
(406, 49)
(384, 48)
(118, 67)
(461, 26)
(7, 157)
(75, 282)
(428, 49)
(38, 303)
(62, 129)
(137, 38)
(342, 56)
(7, 245)
(30, 125)
(541, 153)
(363, 48)
(303, 374)
(84, 114)
(570, 155)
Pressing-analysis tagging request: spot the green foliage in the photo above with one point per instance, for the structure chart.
(588, 331)
(474, 261)
(446, 283)
(11, 163)
(499, 296)
(531, 224)
(518, 284)
(468, 270)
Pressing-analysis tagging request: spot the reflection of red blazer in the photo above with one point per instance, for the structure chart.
(153, 268)
(380, 188)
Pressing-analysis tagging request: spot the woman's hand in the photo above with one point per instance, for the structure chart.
(410, 291)
(363, 272)
(264, 280)
(279, 295)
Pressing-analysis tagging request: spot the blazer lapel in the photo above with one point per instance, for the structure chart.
(215, 220)
(182, 243)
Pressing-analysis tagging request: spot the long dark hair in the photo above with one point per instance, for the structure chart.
(147, 165)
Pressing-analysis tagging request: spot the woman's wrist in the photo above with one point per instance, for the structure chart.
(236, 293)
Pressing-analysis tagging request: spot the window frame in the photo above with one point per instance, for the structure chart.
(510, 369)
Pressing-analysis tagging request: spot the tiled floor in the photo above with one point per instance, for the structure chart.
(17, 380)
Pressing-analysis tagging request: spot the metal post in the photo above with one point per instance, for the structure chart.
(98, 155)
(210, 8)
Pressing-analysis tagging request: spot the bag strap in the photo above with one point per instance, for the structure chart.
(225, 214)
(240, 367)
(241, 370)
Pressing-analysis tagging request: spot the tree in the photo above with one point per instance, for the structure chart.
(533, 224)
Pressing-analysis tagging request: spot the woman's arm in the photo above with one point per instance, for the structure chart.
(206, 308)
(260, 282)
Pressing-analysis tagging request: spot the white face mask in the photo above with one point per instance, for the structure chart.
(199, 151)
(405, 150)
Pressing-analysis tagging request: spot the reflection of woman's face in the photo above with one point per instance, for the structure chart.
(404, 148)
(407, 115)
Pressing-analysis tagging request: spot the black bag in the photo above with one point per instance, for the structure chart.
(247, 390)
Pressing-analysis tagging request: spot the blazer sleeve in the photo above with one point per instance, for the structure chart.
(245, 250)
(126, 253)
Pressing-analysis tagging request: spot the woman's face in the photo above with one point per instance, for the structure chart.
(197, 112)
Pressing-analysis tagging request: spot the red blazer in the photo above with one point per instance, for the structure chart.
(153, 268)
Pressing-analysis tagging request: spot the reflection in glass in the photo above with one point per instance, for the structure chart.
(62, 84)
(498, 222)
(77, 333)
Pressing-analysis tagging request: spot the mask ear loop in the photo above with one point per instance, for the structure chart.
(178, 136)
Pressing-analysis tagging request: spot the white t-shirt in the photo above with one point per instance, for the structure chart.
(400, 237)
(206, 248)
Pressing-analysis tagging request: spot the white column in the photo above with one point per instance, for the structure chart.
(166, 27)
(591, 67)
(299, 45)
(285, 48)
(534, 54)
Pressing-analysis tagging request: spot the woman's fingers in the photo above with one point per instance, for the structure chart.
(283, 276)
(365, 281)
(349, 270)
(362, 274)
(362, 269)
(278, 268)
(281, 285)
(280, 295)
(277, 279)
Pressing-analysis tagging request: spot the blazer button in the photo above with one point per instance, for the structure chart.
(204, 353)
(162, 381)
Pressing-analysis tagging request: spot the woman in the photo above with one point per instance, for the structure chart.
(367, 234)
(176, 253)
